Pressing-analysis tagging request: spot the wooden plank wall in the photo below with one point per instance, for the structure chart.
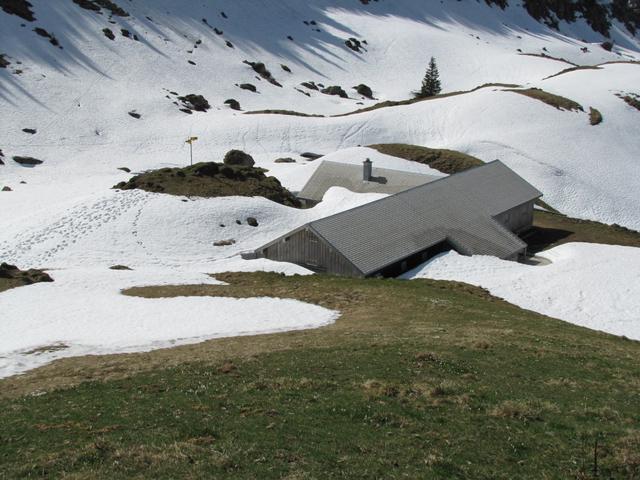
(306, 249)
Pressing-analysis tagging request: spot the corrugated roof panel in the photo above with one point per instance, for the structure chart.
(458, 207)
(333, 174)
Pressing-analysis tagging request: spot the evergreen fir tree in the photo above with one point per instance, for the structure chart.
(431, 81)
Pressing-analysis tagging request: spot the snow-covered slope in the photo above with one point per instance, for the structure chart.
(63, 213)
(595, 286)
(78, 96)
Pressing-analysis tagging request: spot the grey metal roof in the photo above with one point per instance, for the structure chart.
(458, 208)
(333, 174)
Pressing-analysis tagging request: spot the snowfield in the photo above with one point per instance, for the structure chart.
(64, 215)
(83, 313)
(595, 286)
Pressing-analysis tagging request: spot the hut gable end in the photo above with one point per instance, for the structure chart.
(307, 248)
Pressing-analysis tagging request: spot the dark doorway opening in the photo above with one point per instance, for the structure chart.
(412, 261)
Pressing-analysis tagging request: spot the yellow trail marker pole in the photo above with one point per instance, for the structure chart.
(190, 141)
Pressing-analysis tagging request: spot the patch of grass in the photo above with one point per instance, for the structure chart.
(595, 117)
(550, 57)
(557, 101)
(395, 103)
(574, 69)
(553, 229)
(12, 277)
(356, 399)
(631, 99)
(211, 179)
(445, 161)
(282, 112)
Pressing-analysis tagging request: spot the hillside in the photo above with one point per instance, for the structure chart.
(90, 108)
(398, 387)
(147, 357)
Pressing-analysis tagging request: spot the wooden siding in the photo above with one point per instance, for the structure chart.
(305, 248)
(517, 218)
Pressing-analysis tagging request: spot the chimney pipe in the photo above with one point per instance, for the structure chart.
(367, 168)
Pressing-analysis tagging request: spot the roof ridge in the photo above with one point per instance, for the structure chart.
(405, 192)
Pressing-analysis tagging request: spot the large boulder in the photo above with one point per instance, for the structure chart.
(238, 157)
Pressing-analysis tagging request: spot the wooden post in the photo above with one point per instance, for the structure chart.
(190, 141)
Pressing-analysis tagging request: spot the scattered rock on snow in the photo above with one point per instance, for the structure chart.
(248, 86)
(364, 90)
(195, 102)
(43, 33)
(310, 155)
(335, 90)
(252, 222)
(32, 131)
(120, 267)
(7, 189)
(108, 33)
(135, 114)
(284, 160)
(21, 8)
(27, 161)
(354, 44)
(262, 70)
(233, 103)
(224, 243)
